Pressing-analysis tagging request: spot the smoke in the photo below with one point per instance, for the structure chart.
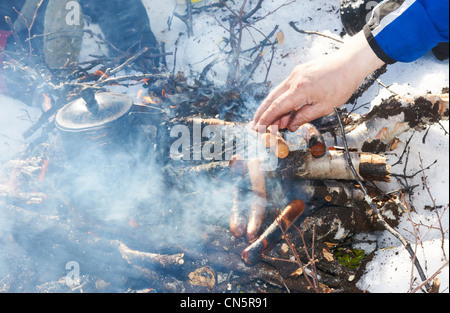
(126, 182)
(122, 191)
(100, 194)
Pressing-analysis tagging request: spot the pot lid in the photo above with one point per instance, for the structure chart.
(93, 111)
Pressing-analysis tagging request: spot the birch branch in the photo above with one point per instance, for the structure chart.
(380, 218)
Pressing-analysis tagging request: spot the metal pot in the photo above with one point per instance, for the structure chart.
(105, 144)
(95, 122)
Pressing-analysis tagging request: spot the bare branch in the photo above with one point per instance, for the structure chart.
(369, 201)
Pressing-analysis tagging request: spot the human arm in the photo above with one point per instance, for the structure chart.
(399, 30)
(405, 30)
(315, 88)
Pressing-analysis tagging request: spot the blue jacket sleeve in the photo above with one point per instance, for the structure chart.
(405, 30)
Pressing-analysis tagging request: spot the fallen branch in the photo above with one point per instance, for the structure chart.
(380, 218)
(187, 18)
(138, 257)
(333, 166)
(307, 32)
(14, 33)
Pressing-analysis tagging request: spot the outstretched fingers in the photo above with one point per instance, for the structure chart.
(307, 114)
(271, 98)
(281, 109)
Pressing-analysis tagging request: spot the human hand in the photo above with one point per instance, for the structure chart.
(315, 88)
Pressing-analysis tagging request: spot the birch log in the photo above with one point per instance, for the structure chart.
(377, 131)
(333, 166)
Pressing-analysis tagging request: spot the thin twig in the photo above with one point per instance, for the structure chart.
(267, 38)
(414, 174)
(252, 12)
(175, 53)
(271, 12)
(87, 31)
(187, 18)
(313, 284)
(14, 33)
(426, 282)
(433, 200)
(387, 88)
(292, 24)
(30, 26)
(124, 64)
(374, 208)
(404, 150)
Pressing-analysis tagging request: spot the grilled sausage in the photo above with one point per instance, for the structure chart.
(252, 254)
(277, 143)
(238, 220)
(258, 209)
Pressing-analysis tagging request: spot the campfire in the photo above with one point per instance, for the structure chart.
(138, 181)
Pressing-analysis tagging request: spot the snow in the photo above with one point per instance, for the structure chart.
(390, 270)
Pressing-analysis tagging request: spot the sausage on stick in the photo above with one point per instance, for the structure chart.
(252, 254)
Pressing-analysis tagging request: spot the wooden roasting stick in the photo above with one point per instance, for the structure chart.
(258, 208)
(274, 233)
(238, 219)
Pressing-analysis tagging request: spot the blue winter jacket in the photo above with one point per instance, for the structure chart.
(405, 30)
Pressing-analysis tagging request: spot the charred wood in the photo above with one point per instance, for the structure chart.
(367, 83)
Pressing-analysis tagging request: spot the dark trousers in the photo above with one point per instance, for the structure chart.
(125, 24)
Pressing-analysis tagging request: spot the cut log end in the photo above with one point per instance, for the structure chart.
(276, 143)
(282, 149)
(315, 140)
(318, 149)
(374, 167)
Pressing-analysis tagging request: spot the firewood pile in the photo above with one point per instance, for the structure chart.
(142, 216)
